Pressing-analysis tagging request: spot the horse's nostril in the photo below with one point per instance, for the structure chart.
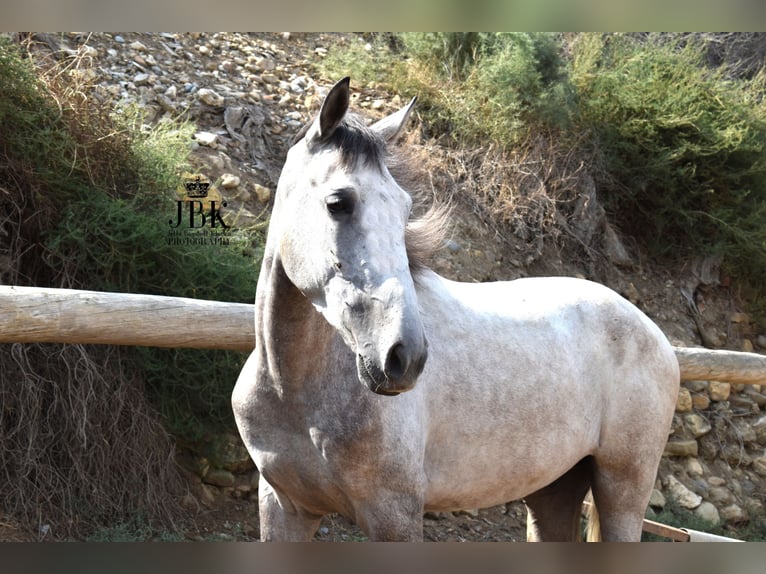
(397, 362)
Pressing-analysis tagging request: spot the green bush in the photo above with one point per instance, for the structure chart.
(681, 148)
(99, 187)
(121, 244)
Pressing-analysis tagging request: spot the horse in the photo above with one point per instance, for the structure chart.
(380, 390)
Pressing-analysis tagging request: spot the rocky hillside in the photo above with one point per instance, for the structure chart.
(248, 94)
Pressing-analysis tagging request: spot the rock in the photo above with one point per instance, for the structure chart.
(209, 97)
(707, 512)
(681, 448)
(684, 402)
(694, 467)
(697, 424)
(227, 452)
(759, 427)
(733, 514)
(137, 46)
(747, 346)
(262, 192)
(696, 386)
(760, 340)
(700, 401)
(229, 181)
(682, 495)
(720, 495)
(719, 391)
(657, 499)
(206, 138)
(219, 477)
(615, 249)
(759, 465)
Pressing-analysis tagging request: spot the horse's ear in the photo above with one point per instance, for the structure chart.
(332, 112)
(390, 126)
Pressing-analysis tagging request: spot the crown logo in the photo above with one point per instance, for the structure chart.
(196, 187)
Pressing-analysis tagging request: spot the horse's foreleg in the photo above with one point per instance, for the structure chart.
(280, 520)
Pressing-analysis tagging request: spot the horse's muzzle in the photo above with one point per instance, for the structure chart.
(400, 372)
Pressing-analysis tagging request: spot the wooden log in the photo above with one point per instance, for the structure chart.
(46, 315)
(719, 365)
(42, 315)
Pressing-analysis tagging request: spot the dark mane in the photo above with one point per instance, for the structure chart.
(355, 141)
(358, 144)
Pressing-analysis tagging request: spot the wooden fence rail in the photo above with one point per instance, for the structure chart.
(43, 315)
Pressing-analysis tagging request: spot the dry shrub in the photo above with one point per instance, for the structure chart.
(80, 446)
(532, 196)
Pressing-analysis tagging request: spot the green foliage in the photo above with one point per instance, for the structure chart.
(135, 530)
(470, 85)
(367, 63)
(677, 148)
(681, 148)
(107, 183)
(121, 244)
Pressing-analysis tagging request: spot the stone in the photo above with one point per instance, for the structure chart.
(697, 424)
(684, 401)
(229, 181)
(733, 514)
(219, 477)
(720, 495)
(694, 467)
(759, 465)
(262, 192)
(747, 346)
(657, 499)
(759, 427)
(700, 401)
(682, 495)
(760, 340)
(707, 512)
(696, 386)
(206, 138)
(681, 448)
(719, 391)
(226, 451)
(739, 317)
(210, 97)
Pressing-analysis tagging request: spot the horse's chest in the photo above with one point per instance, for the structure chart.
(311, 451)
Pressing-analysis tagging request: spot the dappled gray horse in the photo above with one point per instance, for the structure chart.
(379, 390)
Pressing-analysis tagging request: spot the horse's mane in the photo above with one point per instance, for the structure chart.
(357, 144)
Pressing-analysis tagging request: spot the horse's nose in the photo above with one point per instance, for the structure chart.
(405, 361)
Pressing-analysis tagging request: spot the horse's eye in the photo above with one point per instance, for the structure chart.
(339, 204)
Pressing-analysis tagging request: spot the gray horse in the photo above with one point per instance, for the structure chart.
(471, 395)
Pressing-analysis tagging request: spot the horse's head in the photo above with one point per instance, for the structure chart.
(341, 220)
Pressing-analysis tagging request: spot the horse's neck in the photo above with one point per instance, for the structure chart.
(290, 334)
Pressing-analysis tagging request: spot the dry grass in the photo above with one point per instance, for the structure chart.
(80, 446)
